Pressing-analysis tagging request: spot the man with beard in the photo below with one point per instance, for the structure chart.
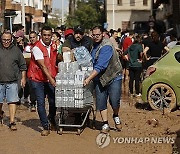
(77, 40)
(107, 77)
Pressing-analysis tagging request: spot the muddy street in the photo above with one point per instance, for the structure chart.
(146, 128)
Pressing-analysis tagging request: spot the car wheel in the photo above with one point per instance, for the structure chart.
(162, 96)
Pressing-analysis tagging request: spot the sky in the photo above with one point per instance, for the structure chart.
(56, 4)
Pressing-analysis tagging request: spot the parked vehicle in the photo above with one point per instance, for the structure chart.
(161, 87)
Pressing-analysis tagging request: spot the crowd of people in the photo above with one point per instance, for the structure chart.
(116, 56)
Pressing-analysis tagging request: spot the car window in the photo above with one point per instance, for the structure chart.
(177, 56)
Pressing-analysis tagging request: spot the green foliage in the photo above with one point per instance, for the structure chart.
(53, 23)
(87, 14)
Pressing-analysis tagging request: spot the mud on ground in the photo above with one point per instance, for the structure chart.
(138, 121)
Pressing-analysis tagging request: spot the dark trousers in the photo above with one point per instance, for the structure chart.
(32, 94)
(42, 89)
(134, 75)
(27, 91)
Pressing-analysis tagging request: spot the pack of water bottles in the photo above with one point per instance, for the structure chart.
(70, 91)
(82, 56)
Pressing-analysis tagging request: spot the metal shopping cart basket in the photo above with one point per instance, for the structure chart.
(73, 99)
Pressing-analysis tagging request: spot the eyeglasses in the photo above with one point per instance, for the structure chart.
(96, 35)
(6, 40)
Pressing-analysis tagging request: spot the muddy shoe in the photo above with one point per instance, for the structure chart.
(45, 132)
(12, 126)
(117, 123)
(105, 129)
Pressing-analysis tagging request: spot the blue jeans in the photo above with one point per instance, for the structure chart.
(113, 91)
(41, 90)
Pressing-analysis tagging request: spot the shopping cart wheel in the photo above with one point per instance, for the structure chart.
(78, 131)
(60, 131)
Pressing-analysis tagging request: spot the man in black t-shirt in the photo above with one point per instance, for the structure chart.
(77, 40)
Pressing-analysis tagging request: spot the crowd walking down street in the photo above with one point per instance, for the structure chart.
(28, 70)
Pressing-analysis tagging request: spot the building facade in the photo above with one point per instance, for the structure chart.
(169, 12)
(123, 13)
(34, 12)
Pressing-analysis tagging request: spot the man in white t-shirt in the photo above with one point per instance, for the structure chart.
(42, 71)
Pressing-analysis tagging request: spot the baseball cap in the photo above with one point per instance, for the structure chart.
(68, 32)
(79, 29)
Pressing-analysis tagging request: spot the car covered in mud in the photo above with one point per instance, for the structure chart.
(161, 86)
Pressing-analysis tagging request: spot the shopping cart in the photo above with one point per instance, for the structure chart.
(71, 96)
(70, 100)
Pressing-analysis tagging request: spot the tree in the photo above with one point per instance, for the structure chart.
(72, 4)
(53, 22)
(87, 14)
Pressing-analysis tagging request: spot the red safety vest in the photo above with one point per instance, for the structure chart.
(34, 71)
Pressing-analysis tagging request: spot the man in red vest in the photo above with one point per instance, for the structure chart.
(42, 71)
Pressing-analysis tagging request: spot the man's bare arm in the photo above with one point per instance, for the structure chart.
(23, 79)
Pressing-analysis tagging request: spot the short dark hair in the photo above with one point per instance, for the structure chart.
(32, 32)
(114, 31)
(63, 27)
(47, 28)
(98, 27)
(57, 34)
(7, 32)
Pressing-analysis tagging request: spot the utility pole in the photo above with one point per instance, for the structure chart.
(113, 14)
(152, 7)
(23, 14)
(62, 12)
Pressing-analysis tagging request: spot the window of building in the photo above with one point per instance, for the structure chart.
(119, 2)
(132, 2)
(145, 2)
